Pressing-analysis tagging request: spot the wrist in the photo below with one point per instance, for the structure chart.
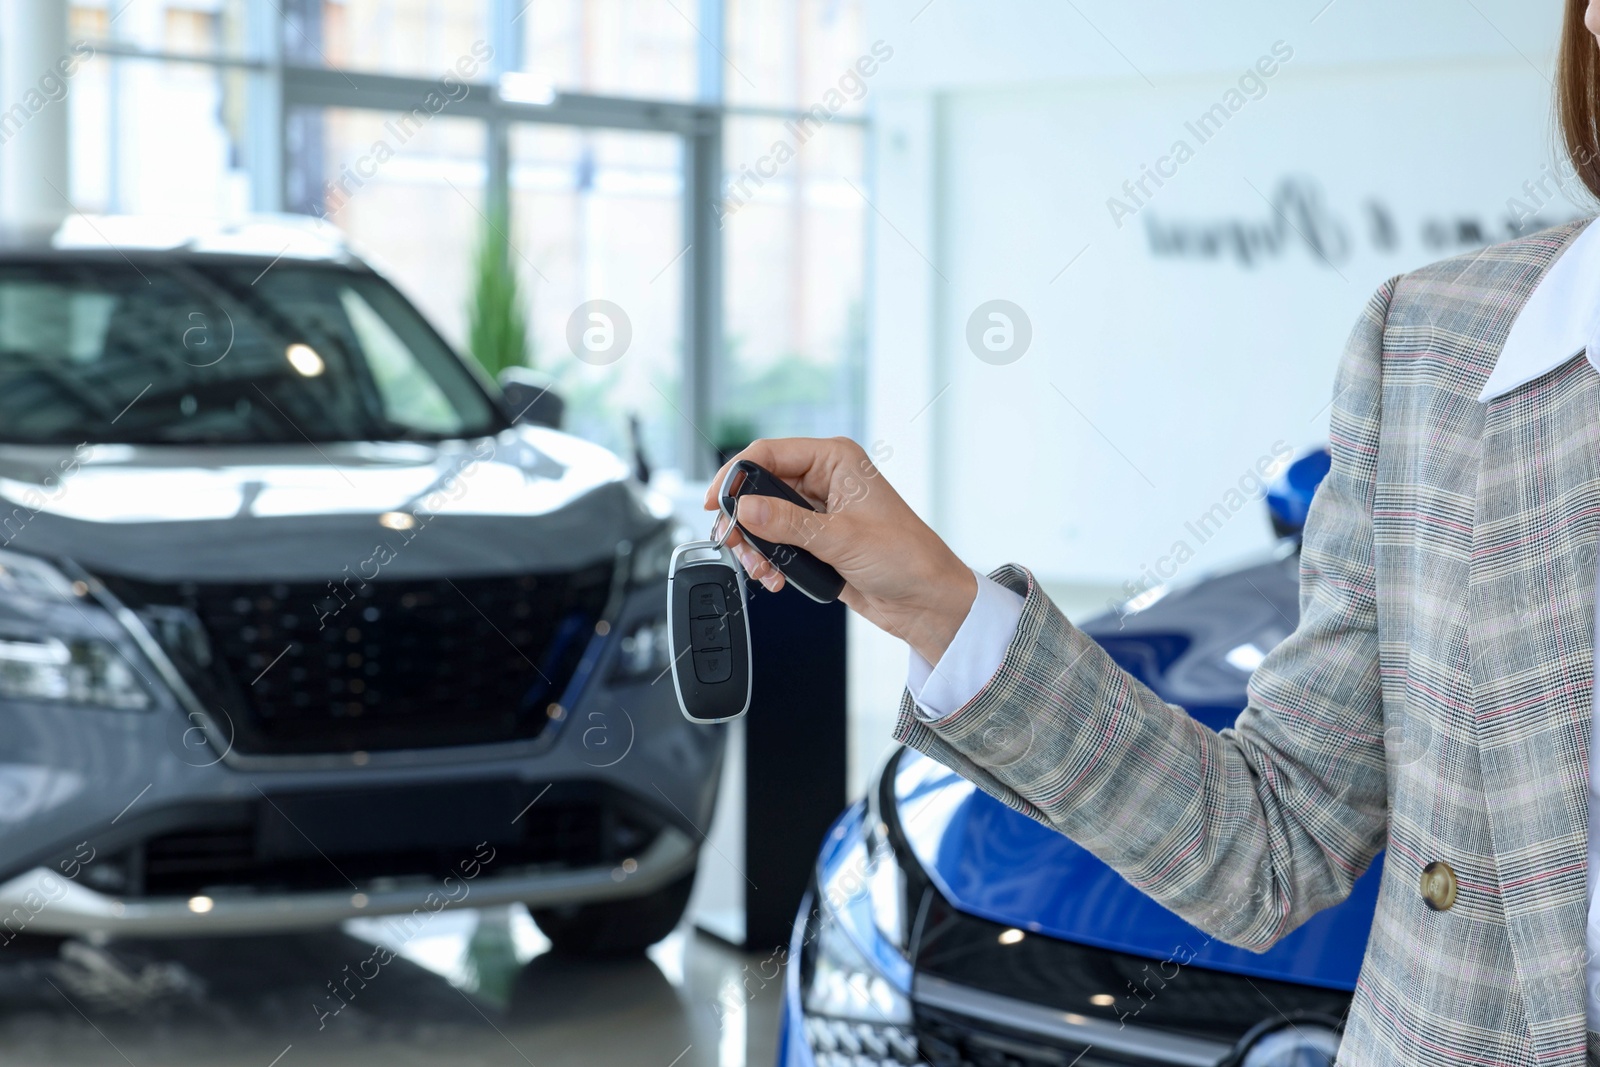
(941, 607)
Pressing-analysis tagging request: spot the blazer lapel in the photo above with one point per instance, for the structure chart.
(1532, 613)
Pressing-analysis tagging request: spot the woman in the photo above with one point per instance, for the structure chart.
(1437, 699)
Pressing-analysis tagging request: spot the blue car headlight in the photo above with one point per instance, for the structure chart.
(854, 975)
(53, 649)
(1312, 1042)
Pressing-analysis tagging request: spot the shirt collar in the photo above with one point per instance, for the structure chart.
(1560, 319)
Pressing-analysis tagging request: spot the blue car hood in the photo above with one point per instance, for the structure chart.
(995, 863)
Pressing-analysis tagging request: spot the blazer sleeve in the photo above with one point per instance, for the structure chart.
(1246, 832)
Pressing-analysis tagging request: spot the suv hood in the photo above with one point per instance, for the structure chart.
(529, 499)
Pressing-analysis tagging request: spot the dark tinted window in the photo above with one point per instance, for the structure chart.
(175, 352)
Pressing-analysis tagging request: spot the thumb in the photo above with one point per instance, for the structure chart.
(777, 520)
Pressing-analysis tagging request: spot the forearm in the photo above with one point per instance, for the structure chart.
(1188, 815)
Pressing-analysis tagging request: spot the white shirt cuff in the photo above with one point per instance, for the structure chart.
(974, 655)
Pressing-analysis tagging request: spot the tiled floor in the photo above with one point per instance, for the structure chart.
(478, 988)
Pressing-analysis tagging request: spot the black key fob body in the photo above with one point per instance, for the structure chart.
(800, 568)
(708, 631)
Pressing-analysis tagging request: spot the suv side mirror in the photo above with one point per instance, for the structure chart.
(530, 397)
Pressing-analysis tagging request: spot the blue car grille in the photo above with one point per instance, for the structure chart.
(847, 1043)
(1172, 997)
(955, 1041)
(301, 667)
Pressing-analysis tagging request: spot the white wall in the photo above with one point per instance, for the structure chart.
(1155, 381)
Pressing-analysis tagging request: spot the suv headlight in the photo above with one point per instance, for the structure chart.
(643, 653)
(651, 555)
(854, 977)
(52, 646)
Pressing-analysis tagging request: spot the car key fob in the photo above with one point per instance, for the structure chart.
(800, 568)
(708, 632)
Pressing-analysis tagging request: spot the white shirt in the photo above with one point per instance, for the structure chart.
(1560, 320)
(973, 656)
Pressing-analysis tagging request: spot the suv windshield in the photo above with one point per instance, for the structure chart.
(170, 351)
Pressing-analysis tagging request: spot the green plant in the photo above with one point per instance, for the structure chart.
(497, 315)
(733, 432)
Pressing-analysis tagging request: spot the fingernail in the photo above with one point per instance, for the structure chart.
(754, 509)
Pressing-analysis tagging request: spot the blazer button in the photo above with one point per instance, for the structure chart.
(1439, 885)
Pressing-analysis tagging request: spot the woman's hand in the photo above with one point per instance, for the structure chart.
(899, 574)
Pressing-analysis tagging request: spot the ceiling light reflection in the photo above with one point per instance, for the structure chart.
(304, 358)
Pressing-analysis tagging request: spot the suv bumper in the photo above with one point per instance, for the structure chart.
(40, 902)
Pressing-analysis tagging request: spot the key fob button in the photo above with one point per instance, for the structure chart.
(706, 599)
(708, 634)
(713, 667)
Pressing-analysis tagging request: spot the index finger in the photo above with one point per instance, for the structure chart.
(803, 462)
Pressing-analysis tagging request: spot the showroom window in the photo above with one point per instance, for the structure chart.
(601, 212)
(434, 181)
(418, 37)
(613, 47)
(132, 117)
(794, 250)
(787, 54)
(623, 153)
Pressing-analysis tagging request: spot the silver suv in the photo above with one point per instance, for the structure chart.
(300, 622)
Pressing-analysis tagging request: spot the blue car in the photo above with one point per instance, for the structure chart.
(941, 927)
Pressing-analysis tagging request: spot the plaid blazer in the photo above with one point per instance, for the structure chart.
(1435, 700)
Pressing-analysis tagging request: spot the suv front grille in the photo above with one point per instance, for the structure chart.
(372, 837)
(303, 667)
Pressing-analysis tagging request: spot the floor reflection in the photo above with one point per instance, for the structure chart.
(480, 988)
